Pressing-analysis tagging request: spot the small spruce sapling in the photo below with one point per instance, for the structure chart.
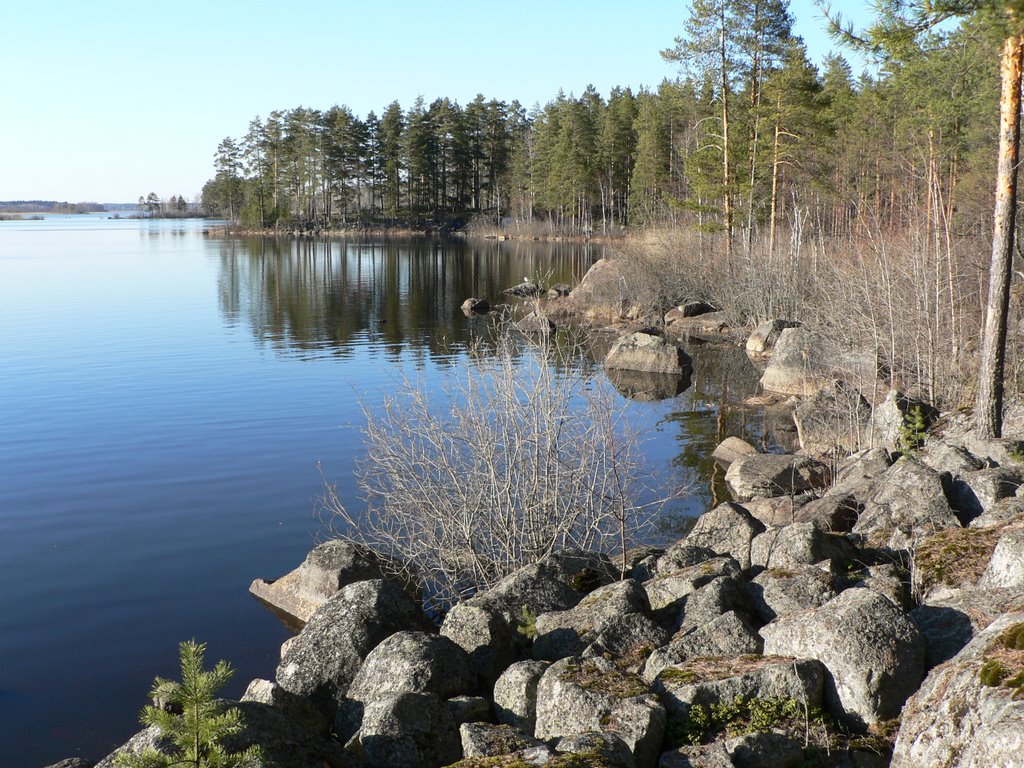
(191, 720)
(913, 431)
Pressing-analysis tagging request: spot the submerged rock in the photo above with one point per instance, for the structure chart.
(329, 567)
(768, 474)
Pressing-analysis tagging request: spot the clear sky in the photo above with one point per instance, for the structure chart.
(108, 101)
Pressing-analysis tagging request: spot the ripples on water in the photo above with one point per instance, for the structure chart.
(166, 399)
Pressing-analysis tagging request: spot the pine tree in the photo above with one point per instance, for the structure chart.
(203, 723)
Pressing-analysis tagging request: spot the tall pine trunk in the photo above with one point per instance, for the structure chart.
(988, 411)
(726, 172)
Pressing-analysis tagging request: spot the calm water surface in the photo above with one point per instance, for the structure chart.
(165, 399)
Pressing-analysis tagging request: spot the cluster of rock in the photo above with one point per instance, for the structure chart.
(821, 589)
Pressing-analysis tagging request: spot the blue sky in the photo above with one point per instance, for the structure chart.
(107, 101)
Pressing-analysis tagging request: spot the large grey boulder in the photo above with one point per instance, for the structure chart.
(487, 740)
(767, 474)
(799, 543)
(487, 625)
(148, 738)
(714, 599)
(950, 620)
(669, 588)
(955, 720)
(627, 638)
(765, 750)
(855, 475)
(568, 633)
(515, 694)
(603, 750)
(649, 354)
(889, 580)
(783, 591)
(803, 362)
(721, 679)
(710, 325)
(947, 457)
(420, 662)
(764, 337)
(1000, 513)
(408, 729)
(323, 659)
(329, 567)
(728, 529)
(470, 709)
(778, 510)
(600, 294)
(283, 742)
(833, 421)
(728, 635)
(296, 708)
(752, 750)
(1006, 568)
(491, 640)
(890, 418)
(907, 502)
(416, 662)
(732, 448)
(834, 513)
(714, 755)
(577, 696)
(873, 653)
(974, 493)
(682, 554)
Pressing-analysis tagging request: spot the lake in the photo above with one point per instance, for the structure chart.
(167, 398)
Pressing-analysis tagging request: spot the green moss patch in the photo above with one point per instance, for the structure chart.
(823, 738)
(1004, 662)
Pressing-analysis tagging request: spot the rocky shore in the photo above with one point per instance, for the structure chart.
(859, 603)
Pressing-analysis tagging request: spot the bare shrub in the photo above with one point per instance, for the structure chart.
(522, 452)
(667, 267)
(911, 298)
(919, 311)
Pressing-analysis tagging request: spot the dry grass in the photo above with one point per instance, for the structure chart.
(614, 682)
(895, 294)
(711, 668)
(954, 557)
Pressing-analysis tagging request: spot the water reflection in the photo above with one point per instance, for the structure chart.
(723, 378)
(302, 296)
(400, 301)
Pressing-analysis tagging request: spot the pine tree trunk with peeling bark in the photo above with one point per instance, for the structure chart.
(988, 411)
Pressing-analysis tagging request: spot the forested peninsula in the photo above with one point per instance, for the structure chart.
(749, 139)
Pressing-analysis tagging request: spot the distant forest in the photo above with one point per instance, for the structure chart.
(750, 138)
(48, 206)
